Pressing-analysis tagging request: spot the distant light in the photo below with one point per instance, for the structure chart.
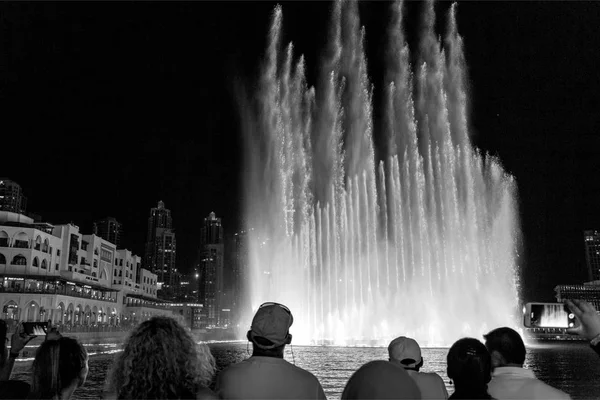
(197, 275)
(524, 309)
(571, 324)
(571, 316)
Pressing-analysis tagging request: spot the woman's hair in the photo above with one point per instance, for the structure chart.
(161, 360)
(470, 366)
(3, 333)
(57, 364)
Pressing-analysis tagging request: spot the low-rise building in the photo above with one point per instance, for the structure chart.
(588, 291)
(55, 273)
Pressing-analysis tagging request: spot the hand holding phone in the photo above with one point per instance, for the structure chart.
(19, 339)
(588, 319)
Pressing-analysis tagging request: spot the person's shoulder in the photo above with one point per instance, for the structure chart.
(302, 372)
(548, 392)
(430, 376)
(206, 394)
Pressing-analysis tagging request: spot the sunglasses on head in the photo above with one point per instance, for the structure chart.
(271, 303)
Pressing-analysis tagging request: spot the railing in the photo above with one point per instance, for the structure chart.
(61, 291)
(20, 244)
(4, 242)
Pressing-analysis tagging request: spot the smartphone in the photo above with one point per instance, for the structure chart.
(35, 328)
(548, 315)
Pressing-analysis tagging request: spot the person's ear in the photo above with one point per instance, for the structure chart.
(497, 359)
(288, 339)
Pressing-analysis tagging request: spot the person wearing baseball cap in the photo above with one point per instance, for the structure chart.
(406, 353)
(266, 374)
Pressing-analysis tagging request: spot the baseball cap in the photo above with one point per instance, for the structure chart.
(405, 350)
(272, 321)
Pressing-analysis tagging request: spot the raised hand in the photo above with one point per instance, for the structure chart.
(19, 339)
(587, 317)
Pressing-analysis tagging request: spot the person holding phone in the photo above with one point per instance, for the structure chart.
(12, 389)
(18, 341)
(588, 322)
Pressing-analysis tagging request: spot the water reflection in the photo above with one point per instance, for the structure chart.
(571, 367)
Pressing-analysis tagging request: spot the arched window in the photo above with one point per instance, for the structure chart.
(45, 246)
(36, 263)
(21, 241)
(44, 264)
(19, 259)
(96, 251)
(94, 274)
(38, 243)
(2, 259)
(3, 239)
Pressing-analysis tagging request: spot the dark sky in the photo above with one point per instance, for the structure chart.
(109, 107)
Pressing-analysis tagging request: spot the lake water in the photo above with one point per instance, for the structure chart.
(570, 366)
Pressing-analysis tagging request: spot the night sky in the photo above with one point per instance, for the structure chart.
(109, 107)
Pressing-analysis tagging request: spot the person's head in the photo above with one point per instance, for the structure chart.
(381, 380)
(405, 352)
(161, 360)
(270, 329)
(59, 366)
(506, 347)
(469, 365)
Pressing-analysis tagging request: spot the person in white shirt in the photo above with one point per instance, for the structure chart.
(406, 353)
(266, 375)
(509, 379)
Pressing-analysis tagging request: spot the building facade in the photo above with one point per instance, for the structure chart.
(210, 268)
(11, 197)
(161, 250)
(109, 229)
(592, 253)
(588, 291)
(55, 273)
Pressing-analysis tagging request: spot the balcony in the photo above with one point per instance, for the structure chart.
(21, 244)
(4, 242)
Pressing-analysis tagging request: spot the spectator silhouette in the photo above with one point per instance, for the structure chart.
(380, 380)
(406, 353)
(266, 375)
(469, 368)
(160, 360)
(509, 379)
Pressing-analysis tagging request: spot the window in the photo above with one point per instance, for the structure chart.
(35, 262)
(44, 264)
(56, 267)
(2, 259)
(58, 252)
(19, 260)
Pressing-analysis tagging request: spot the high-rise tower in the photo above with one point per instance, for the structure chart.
(11, 197)
(210, 267)
(109, 229)
(161, 248)
(592, 253)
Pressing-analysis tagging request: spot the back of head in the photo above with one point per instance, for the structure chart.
(406, 352)
(381, 380)
(508, 343)
(160, 360)
(270, 329)
(57, 365)
(469, 365)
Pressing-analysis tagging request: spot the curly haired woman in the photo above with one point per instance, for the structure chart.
(161, 360)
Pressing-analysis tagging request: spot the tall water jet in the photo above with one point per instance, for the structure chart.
(421, 241)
